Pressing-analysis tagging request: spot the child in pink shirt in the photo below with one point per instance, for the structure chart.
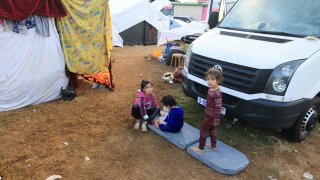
(145, 109)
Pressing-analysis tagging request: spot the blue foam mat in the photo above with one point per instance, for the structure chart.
(224, 159)
(187, 136)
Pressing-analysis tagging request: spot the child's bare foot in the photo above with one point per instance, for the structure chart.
(212, 148)
(144, 128)
(136, 125)
(196, 149)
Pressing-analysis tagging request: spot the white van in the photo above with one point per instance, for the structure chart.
(269, 53)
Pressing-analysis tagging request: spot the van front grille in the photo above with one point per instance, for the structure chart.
(241, 78)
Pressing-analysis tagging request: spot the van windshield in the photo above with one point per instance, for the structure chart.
(297, 18)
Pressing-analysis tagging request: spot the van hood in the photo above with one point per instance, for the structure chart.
(253, 53)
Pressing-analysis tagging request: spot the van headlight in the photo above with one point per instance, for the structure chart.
(280, 77)
(188, 56)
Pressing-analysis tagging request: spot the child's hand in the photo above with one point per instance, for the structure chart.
(162, 122)
(162, 113)
(156, 124)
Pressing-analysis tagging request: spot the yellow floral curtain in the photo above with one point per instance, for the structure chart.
(85, 35)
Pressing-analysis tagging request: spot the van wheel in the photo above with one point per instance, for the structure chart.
(304, 125)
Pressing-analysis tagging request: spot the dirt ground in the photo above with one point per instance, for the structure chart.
(55, 137)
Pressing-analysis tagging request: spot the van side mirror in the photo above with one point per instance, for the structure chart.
(213, 19)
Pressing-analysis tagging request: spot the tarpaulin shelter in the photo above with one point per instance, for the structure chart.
(136, 22)
(32, 60)
(32, 67)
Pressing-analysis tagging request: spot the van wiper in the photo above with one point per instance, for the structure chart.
(279, 33)
(265, 32)
(238, 29)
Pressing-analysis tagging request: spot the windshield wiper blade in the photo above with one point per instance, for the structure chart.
(238, 29)
(266, 32)
(279, 33)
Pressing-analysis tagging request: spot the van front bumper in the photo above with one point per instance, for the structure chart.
(259, 112)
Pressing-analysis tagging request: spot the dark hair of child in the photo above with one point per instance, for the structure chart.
(215, 73)
(168, 100)
(144, 83)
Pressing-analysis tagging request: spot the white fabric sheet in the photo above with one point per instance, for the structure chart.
(31, 68)
(127, 13)
(193, 27)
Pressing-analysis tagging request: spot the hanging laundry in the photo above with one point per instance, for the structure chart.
(42, 25)
(18, 11)
(40, 22)
(105, 77)
(83, 35)
(20, 26)
(108, 30)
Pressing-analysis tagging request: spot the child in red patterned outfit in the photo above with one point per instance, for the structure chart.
(212, 111)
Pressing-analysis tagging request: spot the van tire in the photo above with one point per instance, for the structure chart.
(303, 127)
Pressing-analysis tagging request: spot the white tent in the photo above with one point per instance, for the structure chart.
(193, 27)
(32, 68)
(127, 13)
(159, 4)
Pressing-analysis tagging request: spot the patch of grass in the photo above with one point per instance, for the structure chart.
(194, 112)
(239, 133)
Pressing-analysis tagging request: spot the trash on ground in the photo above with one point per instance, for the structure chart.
(235, 120)
(307, 175)
(290, 171)
(272, 178)
(86, 158)
(53, 177)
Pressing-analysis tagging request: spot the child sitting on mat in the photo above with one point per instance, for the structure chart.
(173, 122)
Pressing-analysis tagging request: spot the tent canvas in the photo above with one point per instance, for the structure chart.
(127, 13)
(32, 68)
(191, 28)
(144, 33)
(160, 4)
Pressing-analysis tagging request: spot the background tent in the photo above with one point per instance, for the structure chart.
(194, 27)
(136, 21)
(160, 4)
(32, 68)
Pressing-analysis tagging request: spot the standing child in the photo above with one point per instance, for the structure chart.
(173, 122)
(145, 109)
(212, 111)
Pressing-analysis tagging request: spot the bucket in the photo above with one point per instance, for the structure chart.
(156, 53)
